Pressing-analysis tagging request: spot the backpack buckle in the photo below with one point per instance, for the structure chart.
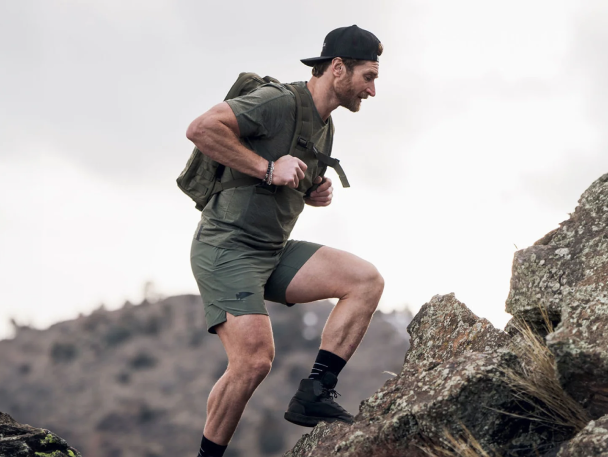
(302, 143)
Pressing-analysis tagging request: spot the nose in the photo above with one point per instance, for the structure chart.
(371, 89)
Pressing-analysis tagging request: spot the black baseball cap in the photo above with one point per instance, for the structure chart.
(349, 43)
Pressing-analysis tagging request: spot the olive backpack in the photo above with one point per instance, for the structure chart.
(201, 178)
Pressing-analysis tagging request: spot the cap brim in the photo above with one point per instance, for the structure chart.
(314, 60)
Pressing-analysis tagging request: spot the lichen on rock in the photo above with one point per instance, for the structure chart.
(549, 274)
(19, 440)
(445, 328)
(591, 441)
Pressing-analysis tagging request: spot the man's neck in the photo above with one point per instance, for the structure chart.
(323, 96)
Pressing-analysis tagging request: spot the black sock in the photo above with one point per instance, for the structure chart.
(326, 361)
(210, 449)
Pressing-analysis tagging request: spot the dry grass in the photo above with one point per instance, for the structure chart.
(536, 382)
(463, 446)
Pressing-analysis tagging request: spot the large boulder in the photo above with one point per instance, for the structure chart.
(591, 441)
(445, 328)
(425, 404)
(454, 384)
(18, 440)
(566, 262)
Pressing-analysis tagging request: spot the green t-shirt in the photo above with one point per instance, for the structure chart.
(252, 217)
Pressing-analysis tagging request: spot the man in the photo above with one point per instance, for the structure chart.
(241, 253)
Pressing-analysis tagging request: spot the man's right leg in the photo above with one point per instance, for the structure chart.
(250, 348)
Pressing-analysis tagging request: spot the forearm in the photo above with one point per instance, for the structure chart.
(216, 134)
(217, 140)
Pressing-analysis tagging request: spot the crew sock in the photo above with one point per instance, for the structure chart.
(210, 449)
(326, 361)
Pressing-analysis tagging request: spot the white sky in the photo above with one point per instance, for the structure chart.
(488, 124)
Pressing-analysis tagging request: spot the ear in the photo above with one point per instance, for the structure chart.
(337, 67)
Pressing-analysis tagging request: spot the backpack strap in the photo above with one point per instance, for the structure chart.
(325, 160)
(303, 132)
(303, 115)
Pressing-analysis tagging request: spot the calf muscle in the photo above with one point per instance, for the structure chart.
(250, 349)
(331, 273)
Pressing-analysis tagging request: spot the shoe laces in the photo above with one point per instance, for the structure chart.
(330, 393)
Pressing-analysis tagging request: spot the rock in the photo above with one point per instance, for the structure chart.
(591, 441)
(465, 383)
(17, 440)
(445, 328)
(550, 273)
(426, 401)
(580, 348)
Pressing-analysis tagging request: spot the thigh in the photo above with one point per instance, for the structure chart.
(329, 273)
(230, 281)
(293, 257)
(247, 337)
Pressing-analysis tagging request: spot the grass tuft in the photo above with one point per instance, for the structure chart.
(536, 383)
(465, 445)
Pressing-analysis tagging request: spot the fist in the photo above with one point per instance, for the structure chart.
(288, 171)
(323, 195)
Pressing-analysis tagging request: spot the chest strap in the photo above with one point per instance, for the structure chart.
(325, 160)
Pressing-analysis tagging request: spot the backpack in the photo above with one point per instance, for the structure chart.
(201, 178)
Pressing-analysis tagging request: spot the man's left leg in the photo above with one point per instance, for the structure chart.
(331, 273)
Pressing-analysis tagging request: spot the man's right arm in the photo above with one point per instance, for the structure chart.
(216, 134)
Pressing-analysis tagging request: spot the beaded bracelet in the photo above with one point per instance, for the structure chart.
(269, 171)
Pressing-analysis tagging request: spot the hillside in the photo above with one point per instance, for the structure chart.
(134, 381)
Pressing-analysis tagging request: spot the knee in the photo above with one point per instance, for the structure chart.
(259, 368)
(255, 368)
(373, 280)
(371, 284)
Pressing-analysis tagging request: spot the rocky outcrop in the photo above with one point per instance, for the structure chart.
(453, 383)
(18, 440)
(469, 389)
(592, 441)
(445, 328)
(564, 277)
(569, 263)
(422, 405)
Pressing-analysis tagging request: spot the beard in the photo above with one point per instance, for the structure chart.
(347, 96)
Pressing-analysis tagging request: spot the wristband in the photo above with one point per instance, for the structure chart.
(269, 172)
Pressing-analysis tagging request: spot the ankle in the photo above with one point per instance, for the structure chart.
(211, 449)
(327, 362)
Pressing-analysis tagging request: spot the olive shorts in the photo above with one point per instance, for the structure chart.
(237, 282)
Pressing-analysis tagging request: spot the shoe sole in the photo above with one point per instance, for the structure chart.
(310, 421)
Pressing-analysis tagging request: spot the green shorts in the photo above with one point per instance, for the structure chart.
(238, 282)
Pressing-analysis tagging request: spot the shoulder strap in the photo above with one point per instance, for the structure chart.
(303, 115)
(303, 132)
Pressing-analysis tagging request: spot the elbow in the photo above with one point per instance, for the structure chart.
(200, 127)
(195, 130)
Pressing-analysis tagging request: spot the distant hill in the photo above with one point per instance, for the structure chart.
(134, 382)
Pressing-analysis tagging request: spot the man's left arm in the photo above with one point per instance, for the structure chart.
(323, 195)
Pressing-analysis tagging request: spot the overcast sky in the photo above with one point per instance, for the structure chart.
(488, 124)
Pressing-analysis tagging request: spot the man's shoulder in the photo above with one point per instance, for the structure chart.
(270, 96)
(270, 91)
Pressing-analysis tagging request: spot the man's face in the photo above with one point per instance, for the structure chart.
(354, 86)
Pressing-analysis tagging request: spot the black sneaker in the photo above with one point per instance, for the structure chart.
(314, 402)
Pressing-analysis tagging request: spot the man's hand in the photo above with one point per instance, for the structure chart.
(288, 171)
(323, 195)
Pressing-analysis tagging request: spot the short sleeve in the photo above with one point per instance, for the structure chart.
(262, 113)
